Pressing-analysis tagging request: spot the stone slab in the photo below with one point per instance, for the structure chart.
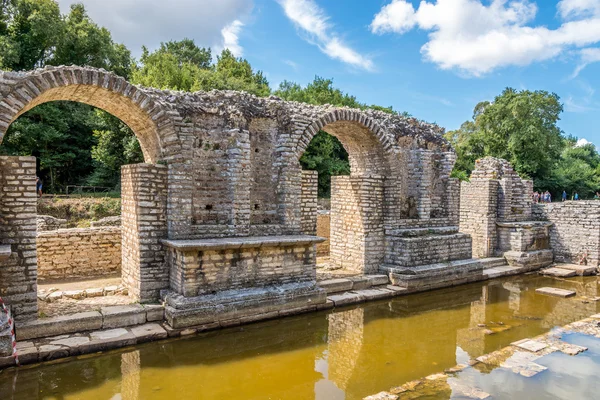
(559, 272)
(44, 327)
(550, 291)
(148, 332)
(581, 270)
(360, 282)
(530, 345)
(154, 312)
(377, 280)
(119, 316)
(336, 285)
(346, 298)
(110, 339)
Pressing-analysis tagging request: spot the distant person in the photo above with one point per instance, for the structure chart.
(564, 195)
(576, 196)
(597, 196)
(548, 197)
(38, 186)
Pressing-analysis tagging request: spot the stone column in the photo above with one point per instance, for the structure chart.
(144, 224)
(310, 184)
(18, 228)
(357, 238)
(478, 214)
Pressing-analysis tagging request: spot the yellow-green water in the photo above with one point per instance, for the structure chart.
(343, 354)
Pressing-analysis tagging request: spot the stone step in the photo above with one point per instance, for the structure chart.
(106, 318)
(559, 272)
(581, 270)
(426, 277)
(493, 262)
(339, 285)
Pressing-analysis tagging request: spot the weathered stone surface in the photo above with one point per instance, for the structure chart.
(54, 326)
(559, 272)
(530, 345)
(580, 270)
(555, 292)
(346, 298)
(79, 253)
(382, 396)
(119, 316)
(376, 280)
(148, 332)
(154, 312)
(110, 339)
(336, 285)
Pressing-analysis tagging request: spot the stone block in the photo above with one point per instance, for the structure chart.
(119, 316)
(148, 332)
(377, 280)
(347, 298)
(336, 285)
(580, 270)
(44, 327)
(556, 292)
(154, 312)
(360, 282)
(110, 339)
(559, 272)
(530, 345)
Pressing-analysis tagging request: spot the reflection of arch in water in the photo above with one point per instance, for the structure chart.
(146, 116)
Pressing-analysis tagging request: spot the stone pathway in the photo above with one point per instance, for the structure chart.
(66, 306)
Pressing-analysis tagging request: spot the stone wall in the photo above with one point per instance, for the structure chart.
(310, 185)
(575, 229)
(50, 223)
(144, 224)
(18, 208)
(357, 239)
(79, 253)
(478, 214)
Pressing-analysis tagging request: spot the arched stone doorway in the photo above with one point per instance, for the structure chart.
(143, 185)
(357, 201)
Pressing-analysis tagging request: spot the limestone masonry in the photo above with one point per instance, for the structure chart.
(220, 222)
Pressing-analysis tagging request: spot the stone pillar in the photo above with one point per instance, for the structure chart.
(310, 184)
(144, 224)
(478, 214)
(357, 238)
(18, 227)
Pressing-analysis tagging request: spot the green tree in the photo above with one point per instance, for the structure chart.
(520, 126)
(33, 34)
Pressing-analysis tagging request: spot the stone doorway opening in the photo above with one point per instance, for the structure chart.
(352, 219)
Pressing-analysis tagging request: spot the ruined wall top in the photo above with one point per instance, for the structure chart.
(493, 168)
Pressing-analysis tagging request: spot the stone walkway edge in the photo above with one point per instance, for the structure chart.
(519, 357)
(49, 339)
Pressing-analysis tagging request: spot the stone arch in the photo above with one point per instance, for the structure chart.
(145, 115)
(363, 138)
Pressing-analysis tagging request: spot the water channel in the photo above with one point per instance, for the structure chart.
(347, 353)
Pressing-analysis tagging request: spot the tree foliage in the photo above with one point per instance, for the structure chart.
(519, 126)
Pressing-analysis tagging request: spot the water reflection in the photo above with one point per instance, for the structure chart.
(345, 354)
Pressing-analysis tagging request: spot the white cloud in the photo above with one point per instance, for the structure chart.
(578, 8)
(230, 35)
(476, 38)
(588, 56)
(291, 64)
(313, 21)
(149, 22)
(582, 142)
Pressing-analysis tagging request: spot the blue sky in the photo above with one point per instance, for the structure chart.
(435, 59)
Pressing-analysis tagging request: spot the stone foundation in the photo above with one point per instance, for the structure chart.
(79, 253)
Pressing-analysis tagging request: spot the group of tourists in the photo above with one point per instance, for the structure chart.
(544, 197)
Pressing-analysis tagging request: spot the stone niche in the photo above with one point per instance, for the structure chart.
(525, 244)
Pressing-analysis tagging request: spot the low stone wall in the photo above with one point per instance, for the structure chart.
(576, 229)
(50, 223)
(79, 253)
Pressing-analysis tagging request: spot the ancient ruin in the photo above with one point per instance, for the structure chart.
(220, 223)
